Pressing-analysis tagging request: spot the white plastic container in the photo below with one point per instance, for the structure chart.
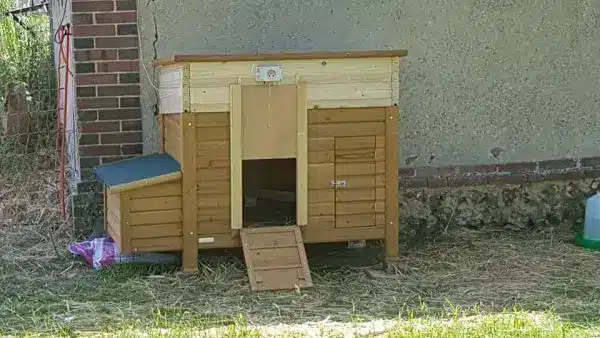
(591, 227)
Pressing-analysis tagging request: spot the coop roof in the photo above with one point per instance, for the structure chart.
(138, 172)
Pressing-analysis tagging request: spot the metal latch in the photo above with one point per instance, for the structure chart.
(338, 184)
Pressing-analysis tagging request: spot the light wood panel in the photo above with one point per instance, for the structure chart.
(170, 90)
(331, 83)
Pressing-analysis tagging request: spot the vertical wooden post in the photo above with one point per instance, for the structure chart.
(235, 137)
(392, 250)
(105, 208)
(301, 156)
(125, 216)
(161, 127)
(190, 195)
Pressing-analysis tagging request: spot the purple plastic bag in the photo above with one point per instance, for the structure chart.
(98, 252)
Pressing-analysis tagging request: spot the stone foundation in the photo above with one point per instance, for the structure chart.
(426, 213)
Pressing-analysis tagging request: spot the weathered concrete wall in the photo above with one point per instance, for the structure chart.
(521, 78)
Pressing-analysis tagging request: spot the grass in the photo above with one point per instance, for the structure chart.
(471, 283)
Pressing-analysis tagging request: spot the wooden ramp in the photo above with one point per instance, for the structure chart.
(275, 258)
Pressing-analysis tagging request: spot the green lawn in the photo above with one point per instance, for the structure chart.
(466, 283)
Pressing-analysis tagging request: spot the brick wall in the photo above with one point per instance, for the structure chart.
(503, 173)
(107, 78)
(105, 43)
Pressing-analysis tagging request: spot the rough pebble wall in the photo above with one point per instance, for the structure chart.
(541, 206)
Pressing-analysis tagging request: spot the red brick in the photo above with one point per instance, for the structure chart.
(132, 149)
(89, 139)
(118, 17)
(459, 181)
(119, 90)
(118, 66)
(94, 30)
(97, 102)
(100, 127)
(83, 19)
(95, 55)
(86, 91)
(518, 167)
(119, 138)
(87, 115)
(119, 114)
(117, 42)
(406, 172)
(111, 159)
(127, 29)
(96, 79)
(414, 182)
(513, 178)
(557, 164)
(101, 150)
(128, 54)
(92, 6)
(88, 162)
(129, 102)
(590, 162)
(83, 43)
(133, 125)
(126, 5)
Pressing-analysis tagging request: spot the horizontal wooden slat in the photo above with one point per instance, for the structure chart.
(214, 227)
(345, 129)
(362, 181)
(207, 163)
(320, 196)
(361, 168)
(156, 217)
(355, 142)
(113, 201)
(359, 155)
(320, 235)
(160, 190)
(212, 187)
(156, 203)
(212, 134)
(361, 220)
(155, 231)
(363, 207)
(344, 115)
(321, 222)
(213, 150)
(315, 157)
(213, 174)
(275, 256)
(211, 214)
(206, 119)
(320, 175)
(214, 201)
(321, 209)
(157, 244)
(349, 195)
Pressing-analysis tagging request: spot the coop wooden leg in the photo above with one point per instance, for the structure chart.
(189, 194)
(392, 250)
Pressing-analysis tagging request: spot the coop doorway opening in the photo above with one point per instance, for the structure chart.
(269, 190)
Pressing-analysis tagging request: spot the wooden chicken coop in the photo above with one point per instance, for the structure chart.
(265, 152)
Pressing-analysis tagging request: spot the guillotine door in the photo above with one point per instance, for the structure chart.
(269, 121)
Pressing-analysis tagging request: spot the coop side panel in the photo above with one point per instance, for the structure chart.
(346, 147)
(331, 83)
(171, 90)
(155, 217)
(213, 173)
(172, 136)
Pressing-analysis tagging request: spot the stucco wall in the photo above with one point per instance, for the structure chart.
(519, 77)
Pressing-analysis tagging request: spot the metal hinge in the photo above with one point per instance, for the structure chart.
(338, 184)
